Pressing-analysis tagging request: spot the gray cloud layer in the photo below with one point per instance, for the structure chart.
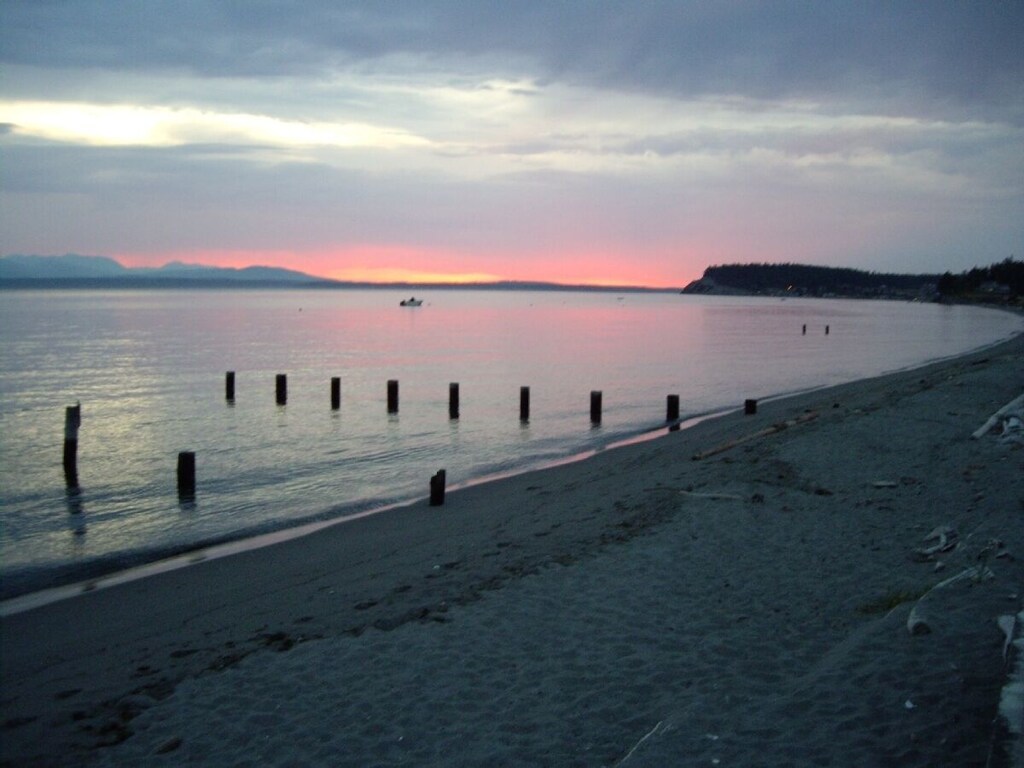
(940, 53)
(848, 131)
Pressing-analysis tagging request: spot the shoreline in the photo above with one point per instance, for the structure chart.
(421, 572)
(72, 579)
(95, 575)
(89, 581)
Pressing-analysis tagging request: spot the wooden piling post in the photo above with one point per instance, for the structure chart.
(805, 329)
(826, 330)
(335, 393)
(750, 407)
(595, 407)
(281, 389)
(72, 421)
(392, 395)
(524, 403)
(437, 488)
(453, 400)
(672, 408)
(186, 474)
(229, 386)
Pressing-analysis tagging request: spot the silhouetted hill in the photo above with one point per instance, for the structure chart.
(70, 265)
(106, 272)
(806, 280)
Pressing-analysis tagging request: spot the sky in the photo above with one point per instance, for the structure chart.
(629, 143)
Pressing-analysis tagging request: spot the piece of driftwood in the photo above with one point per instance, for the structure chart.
(919, 622)
(1008, 626)
(995, 417)
(655, 731)
(945, 538)
(1008, 734)
(773, 429)
(715, 496)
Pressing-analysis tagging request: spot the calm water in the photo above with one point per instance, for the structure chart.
(148, 368)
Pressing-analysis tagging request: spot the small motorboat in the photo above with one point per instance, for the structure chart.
(412, 301)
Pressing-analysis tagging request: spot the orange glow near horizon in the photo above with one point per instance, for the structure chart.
(402, 275)
(403, 264)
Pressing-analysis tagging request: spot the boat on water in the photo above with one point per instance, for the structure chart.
(412, 301)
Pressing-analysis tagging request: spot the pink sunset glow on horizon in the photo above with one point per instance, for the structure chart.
(410, 265)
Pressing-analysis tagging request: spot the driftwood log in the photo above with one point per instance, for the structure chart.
(774, 429)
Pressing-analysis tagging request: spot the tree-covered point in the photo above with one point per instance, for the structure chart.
(1000, 282)
(773, 278)
(1005, 278)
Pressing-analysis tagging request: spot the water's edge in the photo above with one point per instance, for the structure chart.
(36, 588)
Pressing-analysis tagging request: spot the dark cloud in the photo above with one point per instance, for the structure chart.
(929, 57)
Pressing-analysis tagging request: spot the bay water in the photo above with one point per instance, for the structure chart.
(148, 367)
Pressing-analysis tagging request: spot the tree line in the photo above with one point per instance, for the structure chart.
(1002, 280)
(1006, 277)
(818, 281)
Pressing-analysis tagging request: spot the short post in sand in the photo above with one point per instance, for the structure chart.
(281, 389)
(72, 421)
(595, 407)
(453, 400)
(335, 393)
(392, 395)
(186, 475)
(826, 330)
(805, 329)
(524, 404)
(437, 488)
(229, 386)
(750, 407)
(672, 408)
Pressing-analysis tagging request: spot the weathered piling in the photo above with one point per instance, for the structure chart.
(281, 389)
(750, 407)
(73, 499)
(335, 393)
(672, 408)
(524, 403)
(186, 474)
(453, 400)
(595, 407)
(805, 329)
(826, 330)
(392, 395)
(437, 488)
(72, 421)
(229, 386)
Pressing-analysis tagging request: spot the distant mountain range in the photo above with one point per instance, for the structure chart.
(104, 270)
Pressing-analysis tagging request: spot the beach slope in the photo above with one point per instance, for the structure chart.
(816, 584)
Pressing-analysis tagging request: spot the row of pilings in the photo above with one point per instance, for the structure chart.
(186, 469)
(281, 398)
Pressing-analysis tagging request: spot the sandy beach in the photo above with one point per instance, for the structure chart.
(737, 593)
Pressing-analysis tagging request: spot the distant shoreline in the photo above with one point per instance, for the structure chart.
(186, 284)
